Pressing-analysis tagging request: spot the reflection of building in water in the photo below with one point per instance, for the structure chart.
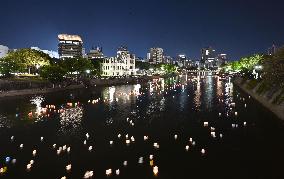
(219, 87)
(228, 96)
(111, 93)
(209, 92)
(197, 93)
(70, 119)
(37, 100)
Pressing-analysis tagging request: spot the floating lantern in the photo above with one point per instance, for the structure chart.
(221, 135)
(108, 172)
(151, 157)
(14, 161)
(213, 134)
(132, 139)
(34, 152)
(68, 167)
(85, 142)
(245, 105)
(63, 177)
(245, 123)
(87, 135)
(111, 142)
(126, 136)
(155, 170)
(156, 145)
(7, 159)
(119, 135)
(236, 113)
(205, 124)
(151, 163)
(12, 138)
(233, 125)
(176, 137)
(117, 172)
(140, 160)
(32, 162)
(127, 141)
(88, 174)
(187, 148)
(220, 114)
(41, 139)
(145, 137)
(203, 151)
(29, 166)
(54, 146)
(190, 140)
(21, 146)
(64, 147)
(68, 149)
(90, 148)
(125, 163)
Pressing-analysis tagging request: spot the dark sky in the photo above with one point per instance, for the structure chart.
(235, 27)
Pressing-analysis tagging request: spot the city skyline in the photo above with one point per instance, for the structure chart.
(177, 27)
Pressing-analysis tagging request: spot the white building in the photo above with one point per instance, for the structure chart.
(121, 65)
(155, 56)
(52, 54)
(3, 51)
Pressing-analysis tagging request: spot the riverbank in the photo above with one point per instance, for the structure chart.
(266, 99)
(91, 83)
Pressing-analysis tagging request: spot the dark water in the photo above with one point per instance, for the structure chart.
(160, 110)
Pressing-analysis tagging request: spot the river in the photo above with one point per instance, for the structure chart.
(187, 126)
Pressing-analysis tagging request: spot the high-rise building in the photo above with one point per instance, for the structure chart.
(156, 55)
(121, 65)
(3, 51)
(70, 46)
(96, 53)
(220, 59)
(207, 56)
(183, 61)
(167, 59)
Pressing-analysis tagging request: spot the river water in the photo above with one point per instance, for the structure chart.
(203, 128)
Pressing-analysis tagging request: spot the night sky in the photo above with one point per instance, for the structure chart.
(238, 28)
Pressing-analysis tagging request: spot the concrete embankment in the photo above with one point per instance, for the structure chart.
(23, 92)
(92, 83)
(266, 99)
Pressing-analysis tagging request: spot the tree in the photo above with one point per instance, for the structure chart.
(274, 68)
(29, 59)
(9, 66)
(76, 66)
(53, 73)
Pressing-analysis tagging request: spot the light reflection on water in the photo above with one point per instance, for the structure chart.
(158, 109)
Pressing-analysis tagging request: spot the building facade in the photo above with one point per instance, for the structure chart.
(3, 51)
(156, 55)
(70, 46)
(220, 59)
(121, 65)
(207, 57)
(96, 53)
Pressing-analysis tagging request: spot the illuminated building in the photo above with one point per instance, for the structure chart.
(70, 46)
(121, 65)
(3, 51)
(156, 55)
(96, 53)
(220, 60)
(207, 57)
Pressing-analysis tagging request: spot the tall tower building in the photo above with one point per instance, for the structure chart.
(207, 56)
(70, 46)
(156, 55)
